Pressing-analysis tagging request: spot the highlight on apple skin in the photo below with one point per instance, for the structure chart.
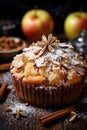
(35, 23)
(74, 23)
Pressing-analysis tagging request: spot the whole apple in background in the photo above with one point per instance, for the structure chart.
(35, 23)
(74, 23)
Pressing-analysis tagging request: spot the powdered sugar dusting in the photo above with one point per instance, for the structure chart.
(48, 54)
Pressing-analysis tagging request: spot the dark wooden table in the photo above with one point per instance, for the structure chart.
(31, 121)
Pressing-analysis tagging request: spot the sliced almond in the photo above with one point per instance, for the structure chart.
(23, 113)
(8, 109)
(72, 116)
(42, 43)
(42, 51)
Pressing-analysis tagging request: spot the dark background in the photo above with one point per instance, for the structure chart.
(14, 10)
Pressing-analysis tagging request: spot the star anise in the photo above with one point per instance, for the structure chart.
(18, 113)
(48, 43)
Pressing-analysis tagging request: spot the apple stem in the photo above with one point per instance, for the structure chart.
(35, 7)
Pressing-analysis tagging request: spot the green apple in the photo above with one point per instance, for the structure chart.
(74, 23)
(35, 23)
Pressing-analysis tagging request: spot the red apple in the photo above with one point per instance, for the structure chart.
(74, 23)
(35, 23)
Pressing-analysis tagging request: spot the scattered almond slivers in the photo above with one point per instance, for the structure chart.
(72, 116)
(8, 109)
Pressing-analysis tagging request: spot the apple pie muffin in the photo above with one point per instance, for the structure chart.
(48, 73)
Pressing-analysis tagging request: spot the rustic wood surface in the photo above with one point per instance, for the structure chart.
(31, 121)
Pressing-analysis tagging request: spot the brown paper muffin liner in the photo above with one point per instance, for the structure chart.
(47, 96)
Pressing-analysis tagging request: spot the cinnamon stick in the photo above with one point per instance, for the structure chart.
(5, 66)
(3, 88)
(55, 115)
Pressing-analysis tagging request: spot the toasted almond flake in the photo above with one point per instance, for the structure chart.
(42, 44)
(8, 109)
(72, 116)
(23, 113)
(56, 63)
(54, 44)
(26, 104)
(7, 105)
(42, 51)
(36, 51)
(17, 64)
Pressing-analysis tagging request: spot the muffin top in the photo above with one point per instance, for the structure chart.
(49, 62)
